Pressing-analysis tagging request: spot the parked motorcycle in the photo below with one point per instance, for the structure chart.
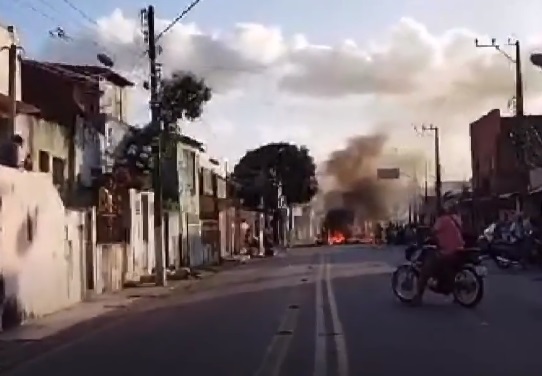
(506, 253)
(465, 280)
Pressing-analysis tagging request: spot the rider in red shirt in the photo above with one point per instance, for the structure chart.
(448, 233)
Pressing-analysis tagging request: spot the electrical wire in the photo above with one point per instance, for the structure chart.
(178, 18)
(81, 12)
(38, 11)
(59, 32)
(49, 66)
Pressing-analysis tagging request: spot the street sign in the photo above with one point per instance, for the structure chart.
(388, 173)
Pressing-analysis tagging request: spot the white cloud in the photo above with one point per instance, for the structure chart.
(271, 87)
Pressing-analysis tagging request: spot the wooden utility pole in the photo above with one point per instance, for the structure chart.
(156, 124)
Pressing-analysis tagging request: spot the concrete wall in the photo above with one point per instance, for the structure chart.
(88, 153)
(110, 267)
(114, 133)
(191, 245)
(173, 239)
(51, 138)
(140, 259)
(114, 100)
(41, 245)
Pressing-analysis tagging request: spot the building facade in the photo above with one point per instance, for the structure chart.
(499, 180)
(78, 129)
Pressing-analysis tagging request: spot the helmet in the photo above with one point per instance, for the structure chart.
(449, 201)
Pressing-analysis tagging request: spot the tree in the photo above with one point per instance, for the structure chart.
(182, 97)
(259, 170)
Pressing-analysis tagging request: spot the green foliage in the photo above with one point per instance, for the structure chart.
(259, 170)
(182, 97)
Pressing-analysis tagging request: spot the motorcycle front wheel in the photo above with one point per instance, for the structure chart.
(404, 283)
(468, 287)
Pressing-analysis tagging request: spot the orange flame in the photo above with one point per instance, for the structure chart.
(336, 238)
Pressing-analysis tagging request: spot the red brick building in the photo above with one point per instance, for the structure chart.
(497, 175)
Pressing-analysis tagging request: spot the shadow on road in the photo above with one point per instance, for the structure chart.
(222, 335)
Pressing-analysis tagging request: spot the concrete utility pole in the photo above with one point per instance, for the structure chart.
(517, 63)
(519, 110)
(438, 177)
(425, 187)
(147, 17)
(12, 79)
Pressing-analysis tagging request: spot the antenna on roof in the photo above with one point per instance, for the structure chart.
(105, 60)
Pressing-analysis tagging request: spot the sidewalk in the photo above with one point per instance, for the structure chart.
(48, 332)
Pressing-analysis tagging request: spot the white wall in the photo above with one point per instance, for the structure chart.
(114, 132)
(114, 100)
(40, 244)
(87, 152)
(140, 256)
(172, 242)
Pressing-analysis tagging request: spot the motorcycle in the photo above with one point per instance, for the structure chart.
(507, 253)
(465, 279)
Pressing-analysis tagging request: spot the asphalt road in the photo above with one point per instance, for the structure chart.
(269, 317)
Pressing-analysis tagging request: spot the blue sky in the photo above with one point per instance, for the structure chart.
(261, 114)
(324, 21)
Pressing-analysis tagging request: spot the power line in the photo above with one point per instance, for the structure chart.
(48, 5)
(38, 11)
(59, 32)
(178, 18)
(81, 12)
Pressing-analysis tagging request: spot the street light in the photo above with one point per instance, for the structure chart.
(536, 59)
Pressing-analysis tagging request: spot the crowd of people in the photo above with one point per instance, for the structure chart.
(397, 233)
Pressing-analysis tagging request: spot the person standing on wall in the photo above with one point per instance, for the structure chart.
(11, 152)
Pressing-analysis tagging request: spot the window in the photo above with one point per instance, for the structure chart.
(44, 161)
(58, 172)
(206, 184)
(109, 136)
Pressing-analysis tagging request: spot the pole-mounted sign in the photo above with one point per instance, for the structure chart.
(388, 173)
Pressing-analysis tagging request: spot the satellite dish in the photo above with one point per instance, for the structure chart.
(536, 59)
(105, 60)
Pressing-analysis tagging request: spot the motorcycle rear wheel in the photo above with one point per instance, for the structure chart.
(458, 288)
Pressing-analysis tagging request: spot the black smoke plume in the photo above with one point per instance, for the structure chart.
(353, 174)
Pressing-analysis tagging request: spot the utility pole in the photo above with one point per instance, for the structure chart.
(438, 177)
(517, 63)
(147, 18)
(425, 188)
(12, 80)
(519, 106)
